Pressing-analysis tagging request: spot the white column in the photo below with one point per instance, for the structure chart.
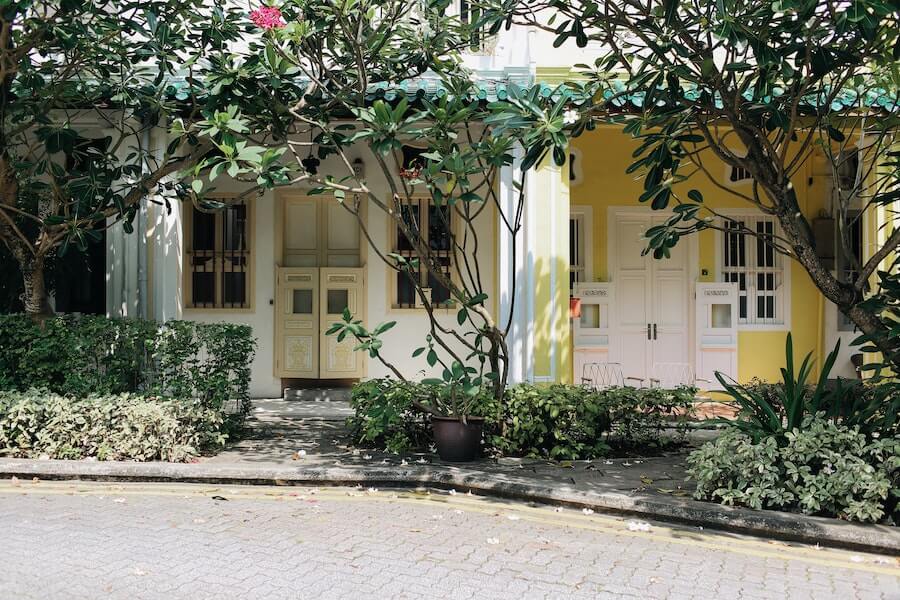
(164, 233)
(121, 263)
(515, 278)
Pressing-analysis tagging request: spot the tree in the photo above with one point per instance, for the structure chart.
(81, 86)
(322, 64)
(761, 85)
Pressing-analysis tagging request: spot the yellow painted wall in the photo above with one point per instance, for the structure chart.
(605, 155)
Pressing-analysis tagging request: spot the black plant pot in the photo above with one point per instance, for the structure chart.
(457, 441)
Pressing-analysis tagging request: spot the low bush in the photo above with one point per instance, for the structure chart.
(574, 422)
(386, 416)
(81, 355)
(557, 421)
(771, 409)
(560, 422)
(820, 468)
(39, 423)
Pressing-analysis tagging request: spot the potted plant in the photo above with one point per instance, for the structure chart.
(457, 422)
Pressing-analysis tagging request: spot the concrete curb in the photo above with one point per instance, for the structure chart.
(788, 526)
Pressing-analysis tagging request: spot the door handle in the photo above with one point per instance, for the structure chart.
(654, 331)
(648, 331)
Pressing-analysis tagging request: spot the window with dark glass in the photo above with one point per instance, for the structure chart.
(469, 14)
(218, 257)
(433, 224)
(846, 264)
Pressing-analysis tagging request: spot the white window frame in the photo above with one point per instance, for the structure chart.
(585, 216)
(783, 299)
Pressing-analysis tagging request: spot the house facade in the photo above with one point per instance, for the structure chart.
(573, 284)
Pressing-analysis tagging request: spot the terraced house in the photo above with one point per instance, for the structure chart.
(574, 284)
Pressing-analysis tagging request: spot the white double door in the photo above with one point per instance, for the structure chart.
(653, 299)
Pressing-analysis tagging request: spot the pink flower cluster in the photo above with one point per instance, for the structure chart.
(267, 17)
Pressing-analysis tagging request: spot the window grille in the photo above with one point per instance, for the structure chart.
(218, 257)
(757, 268)
(431, 222)
(738, 174)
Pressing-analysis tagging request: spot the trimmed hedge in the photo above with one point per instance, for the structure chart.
(41, 424)
(82, 355)
(574, 422)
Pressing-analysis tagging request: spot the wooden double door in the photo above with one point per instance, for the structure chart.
(309, 301)
(320, 275)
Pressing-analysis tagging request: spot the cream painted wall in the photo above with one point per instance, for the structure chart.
(406, 336)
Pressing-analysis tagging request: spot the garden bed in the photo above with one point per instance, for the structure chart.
(557, 422)
(121, 389)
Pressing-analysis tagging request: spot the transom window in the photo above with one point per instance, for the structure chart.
(434, 224)
(217, 256)
(753, 263)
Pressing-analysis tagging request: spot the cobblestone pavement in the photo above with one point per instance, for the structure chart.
(92, 540)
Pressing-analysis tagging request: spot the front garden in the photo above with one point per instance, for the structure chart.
(827, 448)
(117, 389)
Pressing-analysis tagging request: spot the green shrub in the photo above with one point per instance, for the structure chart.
(774, 409)
(820, 468)
(81, 355)
(385, 415)
(560, 422)
(39, 423)
(639, 415)
(574, 422)
(557, 421)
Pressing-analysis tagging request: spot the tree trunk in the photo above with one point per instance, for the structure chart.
(843, 296)
(871, 325)
(35, 297)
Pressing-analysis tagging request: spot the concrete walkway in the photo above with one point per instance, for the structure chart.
(314, 434)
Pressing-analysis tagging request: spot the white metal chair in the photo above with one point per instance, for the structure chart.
(672, 375)
(604, 375)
